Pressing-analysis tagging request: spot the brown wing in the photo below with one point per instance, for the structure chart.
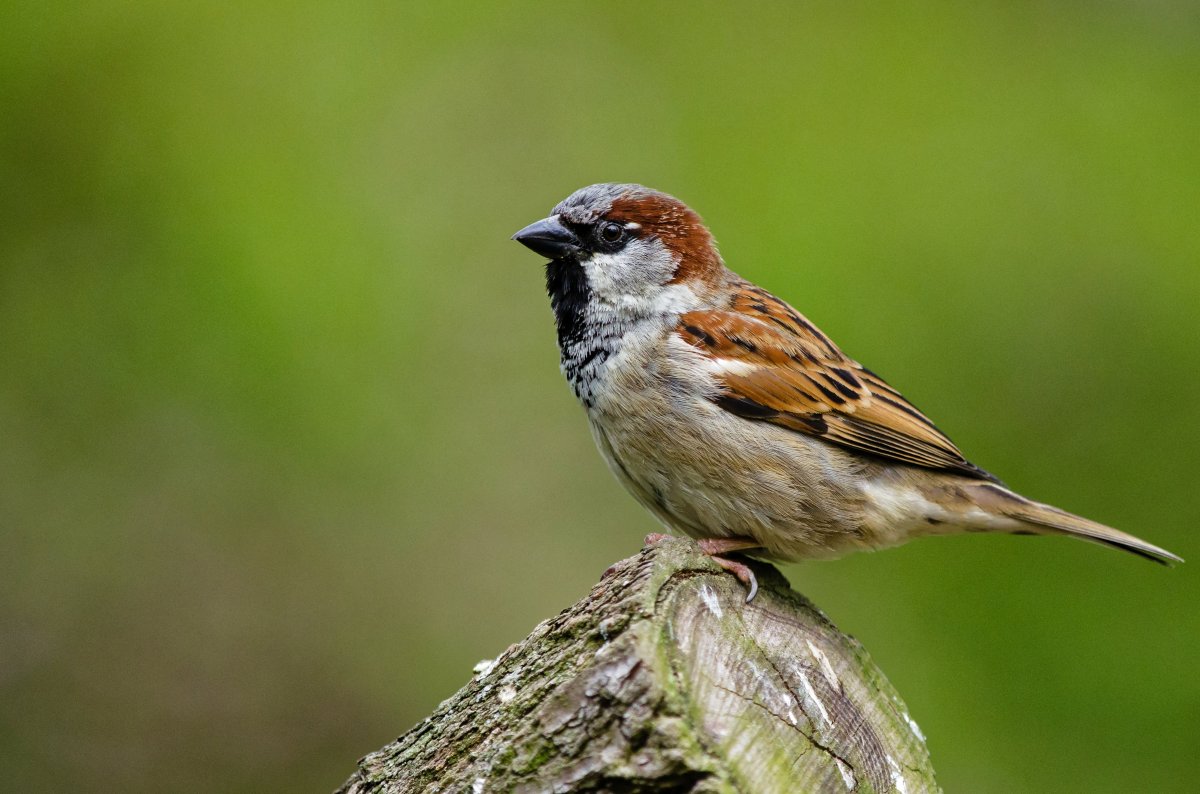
(776, 366)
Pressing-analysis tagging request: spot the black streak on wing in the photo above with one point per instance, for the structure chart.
(831, 396)
(747, 409)
(700, 334)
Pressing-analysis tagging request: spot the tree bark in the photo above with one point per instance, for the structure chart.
(664, 679)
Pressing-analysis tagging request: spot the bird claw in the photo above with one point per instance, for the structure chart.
(743, 573)
(713, 548)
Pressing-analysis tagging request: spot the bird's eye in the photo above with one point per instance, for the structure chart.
(612, 232)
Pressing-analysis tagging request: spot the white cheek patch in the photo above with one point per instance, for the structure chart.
(633, 278)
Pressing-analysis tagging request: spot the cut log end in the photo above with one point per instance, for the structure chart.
(664, 679)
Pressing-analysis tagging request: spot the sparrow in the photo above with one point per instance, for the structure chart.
(732, 418)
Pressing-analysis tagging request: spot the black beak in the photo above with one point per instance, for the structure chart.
(549, 238)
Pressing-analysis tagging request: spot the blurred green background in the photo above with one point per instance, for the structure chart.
(284, 449)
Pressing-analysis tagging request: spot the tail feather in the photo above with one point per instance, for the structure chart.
(1046, 519)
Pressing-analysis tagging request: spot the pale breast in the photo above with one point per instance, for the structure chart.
(708, 473)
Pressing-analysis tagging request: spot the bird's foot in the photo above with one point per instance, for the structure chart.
(743, 573)
(714, 548)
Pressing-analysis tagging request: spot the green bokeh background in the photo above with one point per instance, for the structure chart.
(283, 446)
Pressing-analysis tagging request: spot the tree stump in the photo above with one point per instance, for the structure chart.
(664, 679)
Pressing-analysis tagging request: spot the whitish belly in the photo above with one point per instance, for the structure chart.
(705, 472)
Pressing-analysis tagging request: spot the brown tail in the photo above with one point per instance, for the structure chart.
(1050, 520)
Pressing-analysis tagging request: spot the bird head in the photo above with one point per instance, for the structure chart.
(632, 247)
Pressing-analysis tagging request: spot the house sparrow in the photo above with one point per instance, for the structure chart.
(732, 418)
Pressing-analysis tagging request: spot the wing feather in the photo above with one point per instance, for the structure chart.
(791, 374)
